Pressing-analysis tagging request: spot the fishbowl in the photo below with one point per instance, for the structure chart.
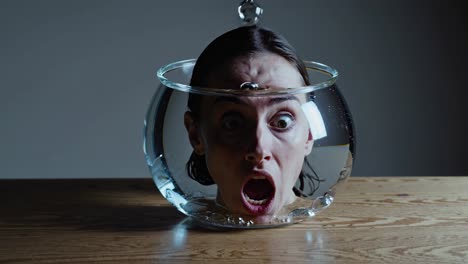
(248, 136)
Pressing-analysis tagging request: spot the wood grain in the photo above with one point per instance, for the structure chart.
(373, 220)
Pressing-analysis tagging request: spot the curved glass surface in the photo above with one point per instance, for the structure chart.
(177, 76)
(254, 158)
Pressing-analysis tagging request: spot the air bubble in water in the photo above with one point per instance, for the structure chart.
(249, 12)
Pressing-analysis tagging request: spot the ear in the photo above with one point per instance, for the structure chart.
(309, 143)
(193, 133)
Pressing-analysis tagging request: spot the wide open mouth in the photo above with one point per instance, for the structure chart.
(258, 193)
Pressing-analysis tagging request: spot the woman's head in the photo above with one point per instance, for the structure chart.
(234, 44)
(253, 148)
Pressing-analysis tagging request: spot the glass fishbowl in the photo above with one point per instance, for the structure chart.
(248, 157)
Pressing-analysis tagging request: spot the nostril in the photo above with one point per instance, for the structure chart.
(250, 157)
(256, 157)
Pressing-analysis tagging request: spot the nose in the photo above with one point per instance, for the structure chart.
(259, 149)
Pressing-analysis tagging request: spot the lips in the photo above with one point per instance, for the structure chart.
(258, 192)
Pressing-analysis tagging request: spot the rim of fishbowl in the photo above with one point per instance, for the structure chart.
(310, 65)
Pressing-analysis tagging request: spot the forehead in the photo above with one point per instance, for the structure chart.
(267, 69)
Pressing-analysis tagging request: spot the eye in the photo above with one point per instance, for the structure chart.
(282, 121)
(232, 121)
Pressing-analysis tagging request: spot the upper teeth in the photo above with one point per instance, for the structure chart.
(258, 177)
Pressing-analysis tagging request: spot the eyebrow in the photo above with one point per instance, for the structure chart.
(277, 100)
(272, 101)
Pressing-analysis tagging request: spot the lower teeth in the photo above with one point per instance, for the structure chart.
(255, 202)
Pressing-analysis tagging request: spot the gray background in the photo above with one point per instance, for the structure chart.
(76, 78)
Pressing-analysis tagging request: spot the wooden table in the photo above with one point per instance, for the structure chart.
(373, 220)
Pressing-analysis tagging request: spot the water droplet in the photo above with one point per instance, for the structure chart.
(324, 201)
(249, 12)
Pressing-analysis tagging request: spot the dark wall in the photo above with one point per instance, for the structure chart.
(76, 78)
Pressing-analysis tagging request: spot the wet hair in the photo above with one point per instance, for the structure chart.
(242, 42)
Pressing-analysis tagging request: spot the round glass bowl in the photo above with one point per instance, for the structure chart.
(255, 158)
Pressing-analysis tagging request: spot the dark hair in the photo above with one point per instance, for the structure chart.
(242, 41)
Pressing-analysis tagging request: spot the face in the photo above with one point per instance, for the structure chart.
(254, 146)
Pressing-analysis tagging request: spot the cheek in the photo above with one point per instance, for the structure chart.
(291, 151)
(221, 158)
(295, 140)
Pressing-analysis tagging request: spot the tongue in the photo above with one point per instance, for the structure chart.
(258, 189)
